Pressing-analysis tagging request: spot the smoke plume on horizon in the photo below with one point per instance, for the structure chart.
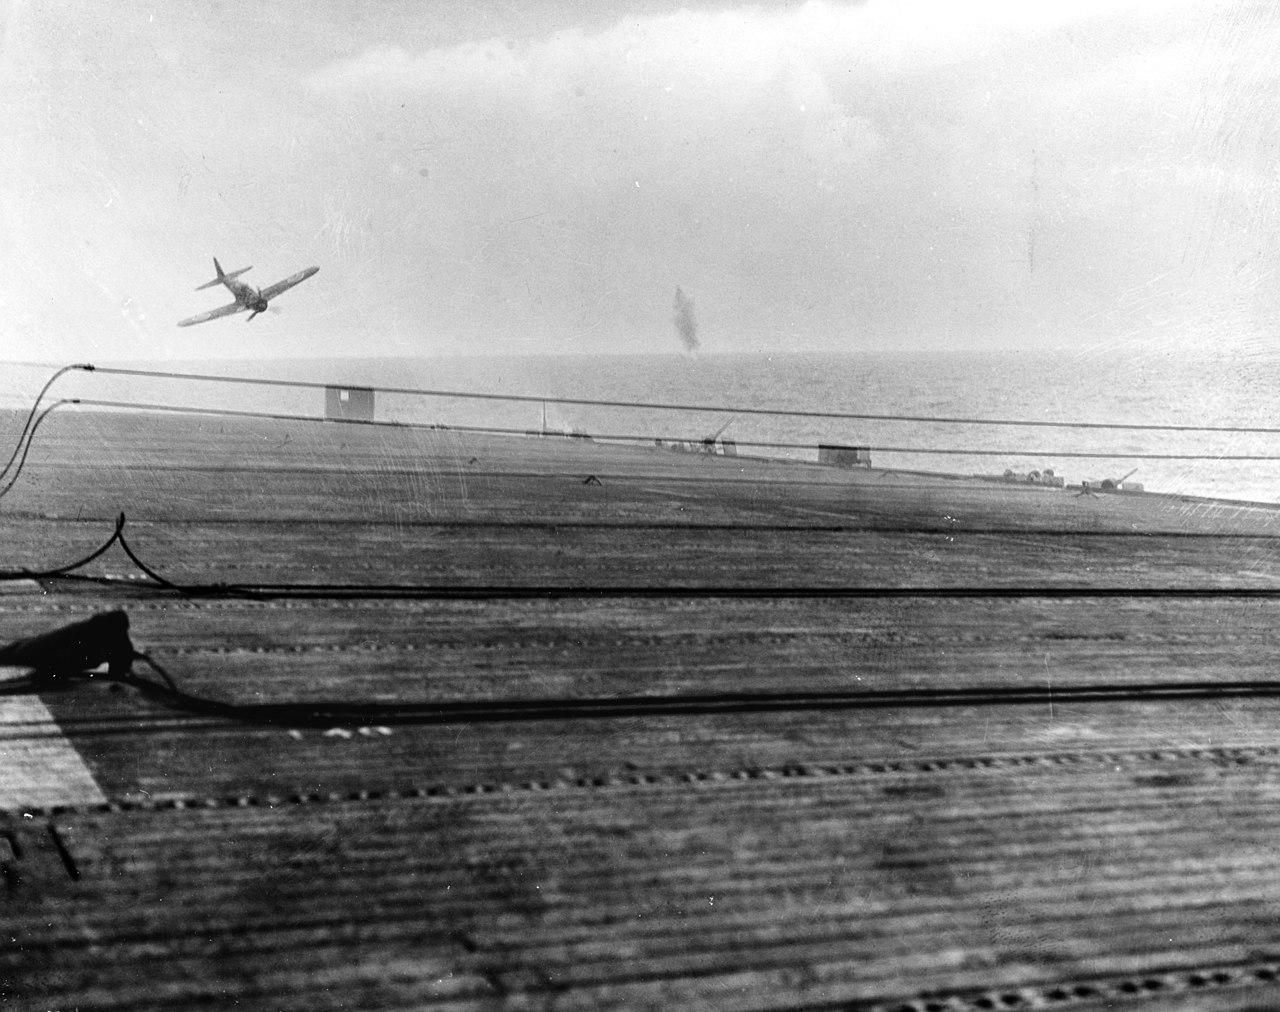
(686, 324)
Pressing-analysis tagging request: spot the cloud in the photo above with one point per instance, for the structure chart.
(732, 48)
(693, 67)
(825, 174)
(823, 95)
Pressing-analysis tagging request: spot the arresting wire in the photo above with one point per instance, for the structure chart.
(28, 428)
(349, 713)
(650, 439)
(68, 571)
(602, 592)
(79, 651)
(24, 443)
(669, 406)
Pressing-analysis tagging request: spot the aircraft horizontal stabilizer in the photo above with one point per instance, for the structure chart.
(223, 277)
(248, 298)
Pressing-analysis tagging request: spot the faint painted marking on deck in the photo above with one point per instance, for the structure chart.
(20, 587)
(39, 767)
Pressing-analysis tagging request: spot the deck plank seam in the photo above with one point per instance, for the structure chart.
(1234, 755)
(1080, 991)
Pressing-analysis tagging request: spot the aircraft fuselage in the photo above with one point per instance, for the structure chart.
(246, 295)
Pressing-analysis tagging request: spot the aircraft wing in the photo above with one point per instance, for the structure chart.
(271, 291)
(213, 314)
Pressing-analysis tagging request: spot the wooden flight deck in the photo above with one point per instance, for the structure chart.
(459, 727)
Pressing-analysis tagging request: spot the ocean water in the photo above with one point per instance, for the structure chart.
(1143, 387)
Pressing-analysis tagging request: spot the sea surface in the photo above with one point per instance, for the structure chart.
(971, 391)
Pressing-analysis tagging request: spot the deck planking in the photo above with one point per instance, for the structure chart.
(1056, 853)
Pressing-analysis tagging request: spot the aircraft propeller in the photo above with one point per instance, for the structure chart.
(265, 309)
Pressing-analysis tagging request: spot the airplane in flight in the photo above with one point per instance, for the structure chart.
(247, 297)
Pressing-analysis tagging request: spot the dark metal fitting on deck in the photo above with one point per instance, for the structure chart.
(76, 648)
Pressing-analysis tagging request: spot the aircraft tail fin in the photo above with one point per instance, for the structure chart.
(222, 277)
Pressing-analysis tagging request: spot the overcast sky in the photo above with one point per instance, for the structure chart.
(521, 177)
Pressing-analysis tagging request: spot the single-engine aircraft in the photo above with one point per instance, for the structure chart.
(247, 297)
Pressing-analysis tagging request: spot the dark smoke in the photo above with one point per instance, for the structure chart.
(686, 325)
